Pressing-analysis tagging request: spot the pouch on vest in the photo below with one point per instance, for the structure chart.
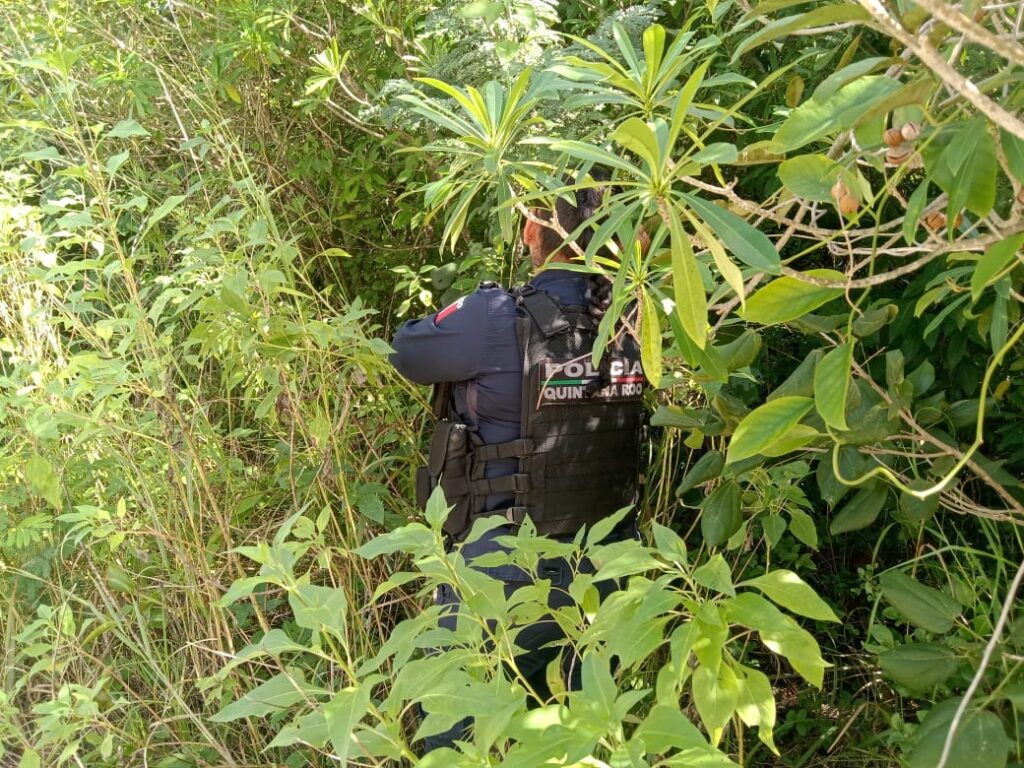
(448, 465)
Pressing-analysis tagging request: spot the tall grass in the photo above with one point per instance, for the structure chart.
(172, 387)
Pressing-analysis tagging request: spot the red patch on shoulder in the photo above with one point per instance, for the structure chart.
(450, 309)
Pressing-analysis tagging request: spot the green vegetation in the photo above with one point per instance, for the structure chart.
(212, 215)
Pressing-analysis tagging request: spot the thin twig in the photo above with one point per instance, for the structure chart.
(986, 657)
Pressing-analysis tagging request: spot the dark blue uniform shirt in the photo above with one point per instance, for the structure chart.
(473, 343)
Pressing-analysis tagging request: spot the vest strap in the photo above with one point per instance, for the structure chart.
(511, 450)
(518, 483)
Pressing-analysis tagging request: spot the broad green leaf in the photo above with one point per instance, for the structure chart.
(713, 154)
(788, 298)
(316, 607)
(482, 9)
(831, 385)
(919, 666)
(413, 539)
(921, 605)
(847, 74)
(765, 425)
(688, 288)
(810, 176)
(277, 694)
(708, 467)
(862, 510)
(996, 258)
(745, 242)
(756, 704)
(716, 697)
(741, 351)
(780, 633)
(126, 129)
(814, 120)
(716, 575)
(42, 480)
(790, 591)
(801, 381)
(666, 727)
(721, 514)
(342, 714)
(799, 436)
(30, 759)
(980, 740)
(668, 543)
(914, 510)
(437, 509)
(873, 320)
(636, 136)
(802, 526)
(310, 728)
(650, 340)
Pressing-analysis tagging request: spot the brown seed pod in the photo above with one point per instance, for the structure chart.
(839, 190)
(910, 131)
(848, 204)
(935, 220)
(897, 155)
(893, 137)
(959, 220)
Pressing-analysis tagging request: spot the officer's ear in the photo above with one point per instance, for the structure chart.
(531, 232)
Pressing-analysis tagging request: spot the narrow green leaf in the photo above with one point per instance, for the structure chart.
(996, 258)
(765, 425)
(650, 340)
(831, 385)
(684, 100)
(915, 207)
(748, 244)
(1014, 151)
(726, 268)
(827, 14)
(691, 301)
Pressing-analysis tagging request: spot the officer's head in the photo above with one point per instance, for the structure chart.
(545, 231)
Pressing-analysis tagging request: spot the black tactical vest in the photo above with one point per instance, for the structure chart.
(580, 425)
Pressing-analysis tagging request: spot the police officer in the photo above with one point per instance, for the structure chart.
(528, 425)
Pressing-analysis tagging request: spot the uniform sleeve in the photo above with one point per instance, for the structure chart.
(445, 346)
